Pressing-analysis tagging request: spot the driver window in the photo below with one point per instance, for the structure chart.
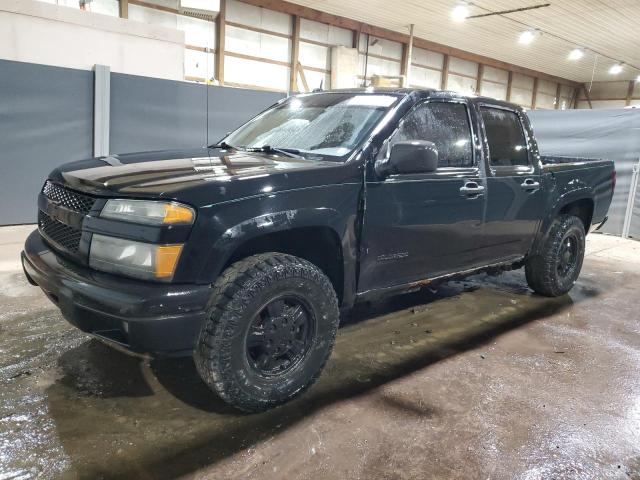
(443, 123)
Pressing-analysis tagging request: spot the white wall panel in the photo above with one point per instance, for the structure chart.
(521, 96)
(460, 84)
(153, 17)
(379, 66)
(522, 81)
(314, 80)
(547, 87)
(427, 58)
(385, 48)
(495, 74)
(312, 55)
(425, 77)
(464, 67)
(323, 33)
(260, 74)
(245, 14)
(544, 100)
(38, 32)
(248, 42)
(199, 64)
(494, 90)
(105, 7)
(200, 33)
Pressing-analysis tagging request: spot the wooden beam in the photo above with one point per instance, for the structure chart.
(630, 92)
(123, 8)
(558, 93)
(586, 95)
(479, 80)
(509, 85)
(295, 49)
(220, 31)
(407, 52)
(574, 98)
(303, 77)
(445, 73)
(343, 22)
(534, 97)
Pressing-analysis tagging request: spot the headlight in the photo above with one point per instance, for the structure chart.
(148, 212)
(134, 259)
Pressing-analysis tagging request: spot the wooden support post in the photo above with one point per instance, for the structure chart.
(586, 94)
(445, 73)
(123, 8)
(574, 98)
(479, 79)
(534, 98)
(220, 30)
(558, 93)
(509, 85)
(630, 93)
(303, 77)
(295, 48)
(407, 51)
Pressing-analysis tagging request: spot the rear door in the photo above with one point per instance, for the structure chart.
(515, 197)
(424, 225)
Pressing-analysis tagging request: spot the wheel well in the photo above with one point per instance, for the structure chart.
(319, 245)
(583, 209)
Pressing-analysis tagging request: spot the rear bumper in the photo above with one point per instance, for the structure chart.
(141, 317)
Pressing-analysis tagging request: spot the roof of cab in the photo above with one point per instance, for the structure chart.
(422, 93)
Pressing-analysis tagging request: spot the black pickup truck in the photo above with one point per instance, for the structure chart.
(244, 253)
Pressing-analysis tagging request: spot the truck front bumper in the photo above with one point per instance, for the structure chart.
(140, 316)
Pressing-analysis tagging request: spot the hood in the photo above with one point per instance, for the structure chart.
(198, 176)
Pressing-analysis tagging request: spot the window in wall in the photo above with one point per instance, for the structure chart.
(446, 125)
(507, 145)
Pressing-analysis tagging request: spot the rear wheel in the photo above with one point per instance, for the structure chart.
(554, 271)
(271, 329)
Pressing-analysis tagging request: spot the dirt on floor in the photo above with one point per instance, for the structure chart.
(481, 379)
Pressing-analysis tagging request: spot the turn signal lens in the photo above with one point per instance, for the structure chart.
(175, 213)
(166, 260)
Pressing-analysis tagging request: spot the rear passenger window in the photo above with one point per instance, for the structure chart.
(446, 125)
(507, 145)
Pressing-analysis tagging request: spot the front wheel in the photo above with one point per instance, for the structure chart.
(271, 328)
(555, 269)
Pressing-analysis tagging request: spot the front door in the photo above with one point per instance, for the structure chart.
(423, 225)
(515, 200)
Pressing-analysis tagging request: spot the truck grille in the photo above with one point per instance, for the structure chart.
(63, 235)
(68, 198)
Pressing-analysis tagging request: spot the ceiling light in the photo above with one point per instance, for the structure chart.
(576, 54)
(460, 12)
(615, 69)
(528, 36)
(638, 79)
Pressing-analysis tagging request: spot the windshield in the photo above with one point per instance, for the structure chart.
(325, 125)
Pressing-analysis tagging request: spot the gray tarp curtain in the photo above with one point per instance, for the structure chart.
(46, 119)
(609, 133)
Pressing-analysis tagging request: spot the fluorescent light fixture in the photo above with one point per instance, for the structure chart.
(638, 79)
(528, 36)
(615, 69)
(576, 54)
(460, 12)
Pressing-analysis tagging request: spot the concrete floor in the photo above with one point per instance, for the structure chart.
(480, 380)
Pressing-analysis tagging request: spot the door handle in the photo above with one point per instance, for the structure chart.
(530, 184)
(471, 189)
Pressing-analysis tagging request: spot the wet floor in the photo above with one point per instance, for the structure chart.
(481, 379)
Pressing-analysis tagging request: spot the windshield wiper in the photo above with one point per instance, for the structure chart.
(289, 152)
(224, 145)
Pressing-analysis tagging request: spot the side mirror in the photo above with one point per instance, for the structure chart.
(415, 156)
